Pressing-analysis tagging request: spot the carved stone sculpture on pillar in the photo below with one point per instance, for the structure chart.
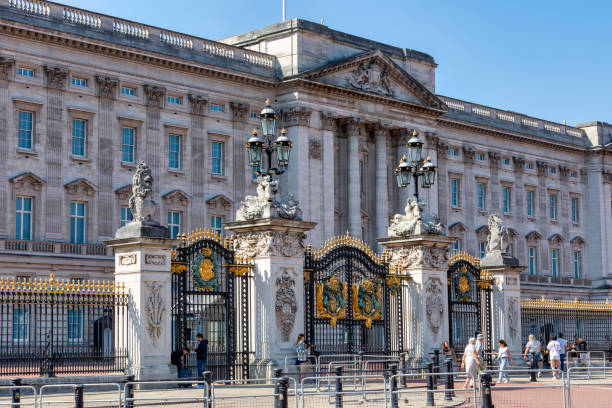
(268, 203)
(497, 244)
(142, 262)
(414, 222)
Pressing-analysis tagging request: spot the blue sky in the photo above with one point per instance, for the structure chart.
(545, 58)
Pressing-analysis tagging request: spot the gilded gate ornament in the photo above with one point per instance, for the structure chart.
(367, 301)
(462, 285)
(393, 285)
(331, 299)
(204, 271)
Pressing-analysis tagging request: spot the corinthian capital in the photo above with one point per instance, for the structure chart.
(328, 121)
(197, 103)
(297, 116)
(5, 67)
(239, 111)
(155, 95)
(353, 126)
(56, 76)
(381, 130)
(106, 86)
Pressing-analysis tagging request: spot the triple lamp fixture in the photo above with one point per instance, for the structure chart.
(409, 167)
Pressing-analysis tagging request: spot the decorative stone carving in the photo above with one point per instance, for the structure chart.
(197, 103)
(239, 111)
(328, 121)
(125, 260)
(519, 163)
(269, 243)
(154, 95)
(353, 126)
(434, 305)
(469, 154)
(314, 148)
(107, 86)
(295, 116)
(498, 241)
(5, 67)
(155, 310)
(370, 78)
(542, 167)
(155, 259)
(512, 315)
(564, 172)
(56, 77)
(285, 305)
(415, 222)
(442, 149)
(494, 158)
(141, 202)
(268, 203)
(418, 256)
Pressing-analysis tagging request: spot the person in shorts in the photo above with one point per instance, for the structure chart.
(554, 353)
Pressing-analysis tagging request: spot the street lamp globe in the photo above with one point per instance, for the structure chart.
(283, 149)
(403, 172)
(415, 147)
(254, 148)
(429, 173)
(268, 118)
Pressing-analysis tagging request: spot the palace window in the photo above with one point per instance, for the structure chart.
(577, 258)
(79, 137)
(506, 161)
(482, 249)
(174, 152)
(216, 107)
(23, 218)
(21, 323)
(532, 260)
(126, 215)
(26, 72)
(554, 256)
(575, 210)
(552, 203)
(79, 82)
(75, 324)
(529, 165)
(480, 156)
(456, 247)
(482, 196)
(455, 192)
(552, 170)
(126, 90)
(530, 203)
(128, 144)
(573, 174)
(216, 223)
(507, 192)
(77, 222)
(174, 223)
(25, 130)
(254, 115)
(217, 158)
(176, 100)
(453, 151)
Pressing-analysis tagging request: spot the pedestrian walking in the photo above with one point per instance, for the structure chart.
(470, 362)
(554, 353)
(533, 346)
(504, 357)
(201, 356)
(479, 349)
(563, 344)
(301, 348)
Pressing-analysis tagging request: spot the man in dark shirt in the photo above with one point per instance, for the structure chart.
(177, 358)
(201, 354)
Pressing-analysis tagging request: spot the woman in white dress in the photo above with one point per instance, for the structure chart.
(470, 362)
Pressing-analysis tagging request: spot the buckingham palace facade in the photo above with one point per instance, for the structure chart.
(84, 97)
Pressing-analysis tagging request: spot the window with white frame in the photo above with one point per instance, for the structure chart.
(532, 260)
(217, 156)
(126, 215)
(482, 249)
(21, 323)
(573, 174)
(575, 210)
(79, 82)
(453, 151)
(482, 195)
(174, 151)
(507, 194)
(214, 107)
(552, 204)
(577, 261)
(506, 161)
(175, 100)
(456, 247)
(77, 222)
(25, 130)
(23, 218)
(127, 90)
(79, 137)
(552, 170)
(128, 144)
(216, 223)
(26, 72)
(529, 165)
(75, 324)
(554, 258)
(174, 223)
(530, 203)
(480, 156)
(455, 192)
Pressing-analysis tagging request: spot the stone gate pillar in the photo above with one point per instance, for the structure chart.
(423, 260)
(142, 262)
(276, 246)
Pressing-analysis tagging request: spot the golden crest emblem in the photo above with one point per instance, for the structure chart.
(207, 269)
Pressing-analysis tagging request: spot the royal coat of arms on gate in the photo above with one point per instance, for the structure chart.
(367, 301)
(462, 283)
(331, 299)
(204, 270)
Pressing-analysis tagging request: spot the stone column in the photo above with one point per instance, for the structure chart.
(382, 194)
(520, 212)
(296, 121)
(543, 217)
(354, 195)
(240, 136)
(565, 218)
(277, 247)
(470, 204)
(199, 158)
(424, 259)
(495, 162)
(329, 125)
(442, 181)
(5, 71)
(154, 146)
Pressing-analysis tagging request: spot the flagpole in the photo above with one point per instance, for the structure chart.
(284, 14)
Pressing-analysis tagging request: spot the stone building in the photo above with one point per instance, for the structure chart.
(84, 97)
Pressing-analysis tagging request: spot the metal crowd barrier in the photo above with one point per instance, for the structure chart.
(281, 390)
(16, 391)
(133, 397)
(76, 395)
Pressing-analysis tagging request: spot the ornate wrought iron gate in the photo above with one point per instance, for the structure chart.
(352, 303)
(469, 301)
(210, 296)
